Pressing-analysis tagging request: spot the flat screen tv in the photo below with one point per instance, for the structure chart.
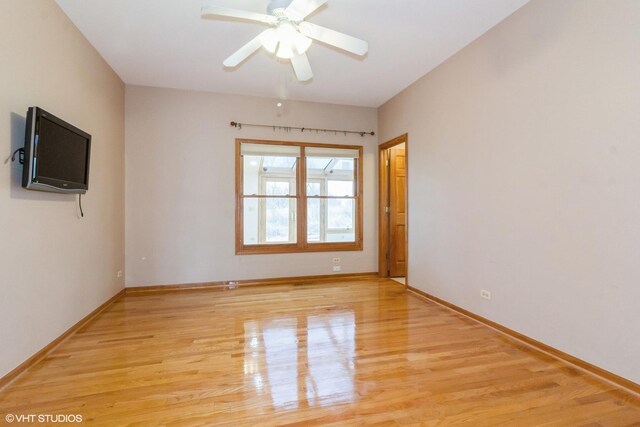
(56, 154)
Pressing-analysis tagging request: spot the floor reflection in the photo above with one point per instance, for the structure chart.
(330, 354)
(281, 352)
(308, 360)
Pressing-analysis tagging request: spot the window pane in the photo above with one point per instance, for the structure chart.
(314, 219)
(251, 179)
(260, 170)
(313, 188)
(344, 164)
(340, 220)
(251, 221)
(278, 162)
(269, 220)
(336, 175)
(318, 163)
(330, 220)
(280, 224)
(340, 188)
(276, 188)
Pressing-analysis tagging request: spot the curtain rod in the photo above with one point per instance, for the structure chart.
(289, 128)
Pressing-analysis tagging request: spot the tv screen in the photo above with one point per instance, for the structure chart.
(56, 154)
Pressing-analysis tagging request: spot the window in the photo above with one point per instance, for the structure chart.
(297, 197)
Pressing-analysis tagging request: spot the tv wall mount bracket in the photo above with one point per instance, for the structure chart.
(20, 153)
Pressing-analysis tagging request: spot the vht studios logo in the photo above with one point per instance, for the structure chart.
(43, 418)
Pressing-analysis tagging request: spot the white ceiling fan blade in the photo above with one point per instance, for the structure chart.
(212, 12)
(301, 67)
(244, 52)
(334, 38)
(300, 9)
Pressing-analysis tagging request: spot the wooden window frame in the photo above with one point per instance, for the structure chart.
(301, 198)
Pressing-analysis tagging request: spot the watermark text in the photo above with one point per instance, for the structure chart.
(43, 418)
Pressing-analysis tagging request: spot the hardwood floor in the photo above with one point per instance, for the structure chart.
(340, 353)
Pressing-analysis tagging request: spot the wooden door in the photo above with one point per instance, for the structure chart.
(397, 212)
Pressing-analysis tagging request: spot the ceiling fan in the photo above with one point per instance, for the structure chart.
(290, 36)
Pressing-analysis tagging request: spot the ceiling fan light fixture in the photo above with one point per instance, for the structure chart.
(269, 40)
(285, 49)
(288, 39)
(286, 30)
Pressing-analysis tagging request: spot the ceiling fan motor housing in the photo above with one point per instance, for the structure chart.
(277, 4)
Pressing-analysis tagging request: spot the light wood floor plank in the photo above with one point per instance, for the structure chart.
(357, 353)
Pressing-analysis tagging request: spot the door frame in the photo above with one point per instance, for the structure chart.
(383, 202)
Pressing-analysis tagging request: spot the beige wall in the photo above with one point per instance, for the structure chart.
(525, 177)
(54, 267)
(180, 192)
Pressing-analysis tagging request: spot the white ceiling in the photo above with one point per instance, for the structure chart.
(165, 43)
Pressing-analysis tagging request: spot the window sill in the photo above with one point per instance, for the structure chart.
(294, 248)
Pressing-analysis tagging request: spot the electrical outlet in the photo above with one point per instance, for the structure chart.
(336, 260)
(485, 294)
(119, 274)
(231, 284)
(336, 268)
